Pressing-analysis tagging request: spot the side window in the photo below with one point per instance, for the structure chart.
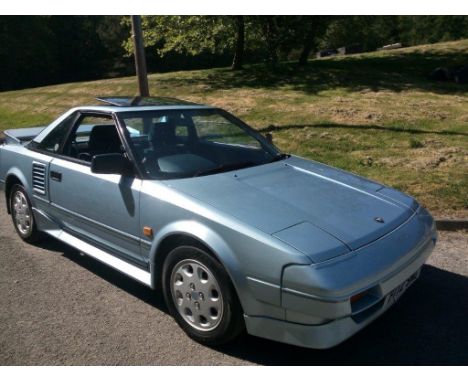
(181, 127)
(140, 126)
(93, 135)
(54, 141)
(181, 132)
(82, 134)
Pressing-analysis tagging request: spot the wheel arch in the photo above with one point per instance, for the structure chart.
(193, 233)
(14, 177)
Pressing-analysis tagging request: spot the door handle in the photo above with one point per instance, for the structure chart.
(57, 176)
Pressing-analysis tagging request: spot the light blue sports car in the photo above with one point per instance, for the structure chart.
(192, 202)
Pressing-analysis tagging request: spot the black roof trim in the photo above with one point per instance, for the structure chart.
(123, 101)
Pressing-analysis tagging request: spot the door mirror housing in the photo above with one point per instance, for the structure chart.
(110, 164)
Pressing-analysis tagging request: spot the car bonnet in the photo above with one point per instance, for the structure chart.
(297, 198)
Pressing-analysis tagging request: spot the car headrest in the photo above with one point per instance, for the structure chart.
(104, 138)
(162, 133)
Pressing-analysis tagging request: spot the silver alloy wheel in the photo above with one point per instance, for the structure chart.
(196, 295)
(21, 213)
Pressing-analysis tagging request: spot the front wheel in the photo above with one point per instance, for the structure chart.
(201, 297)
(22, 215)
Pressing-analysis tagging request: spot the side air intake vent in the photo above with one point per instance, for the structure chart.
(39, 178)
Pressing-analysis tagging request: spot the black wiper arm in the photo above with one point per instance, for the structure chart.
(224, 167)
(279, 157)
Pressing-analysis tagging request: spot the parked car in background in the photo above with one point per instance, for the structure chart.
(190, 201)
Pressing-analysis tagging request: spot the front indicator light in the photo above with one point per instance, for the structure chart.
(358, 297)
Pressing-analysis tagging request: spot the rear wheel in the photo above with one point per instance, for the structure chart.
(201, 297)
(22, 215)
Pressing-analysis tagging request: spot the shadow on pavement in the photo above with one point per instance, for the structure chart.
(107, 273)
(428, 326)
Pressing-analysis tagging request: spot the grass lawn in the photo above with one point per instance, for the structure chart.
(374, 114)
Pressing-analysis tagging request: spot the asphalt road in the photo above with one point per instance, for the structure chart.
(60, 308)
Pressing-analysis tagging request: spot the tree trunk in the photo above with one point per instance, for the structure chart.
(315, 26)
(305, 52)
(271, 36)
(240, 42)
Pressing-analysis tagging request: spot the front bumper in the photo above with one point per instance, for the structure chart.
(317, 298)
(311, 336)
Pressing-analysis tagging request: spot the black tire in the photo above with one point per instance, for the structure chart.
(31, 234)
(231, 321)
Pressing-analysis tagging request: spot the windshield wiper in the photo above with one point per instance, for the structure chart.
(279, 157)
(224, 167)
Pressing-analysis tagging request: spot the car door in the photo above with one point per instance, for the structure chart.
(102, 209)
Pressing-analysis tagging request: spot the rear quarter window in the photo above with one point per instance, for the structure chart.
(56, 138)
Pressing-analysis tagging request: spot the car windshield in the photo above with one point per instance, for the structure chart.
(186, 143)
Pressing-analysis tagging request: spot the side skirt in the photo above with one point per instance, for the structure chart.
(53, 229)
(104, 257)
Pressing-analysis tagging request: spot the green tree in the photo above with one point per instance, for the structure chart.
(39, 50)
(193, 35)
(238, 59)
(370, 32)
(307, 33)
(27, 51)
(278, 36)
(431, 29)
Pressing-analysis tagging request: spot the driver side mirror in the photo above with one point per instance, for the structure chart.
(110, 164)
(269, 137)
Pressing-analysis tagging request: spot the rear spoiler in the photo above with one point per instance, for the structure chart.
(21, 136)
